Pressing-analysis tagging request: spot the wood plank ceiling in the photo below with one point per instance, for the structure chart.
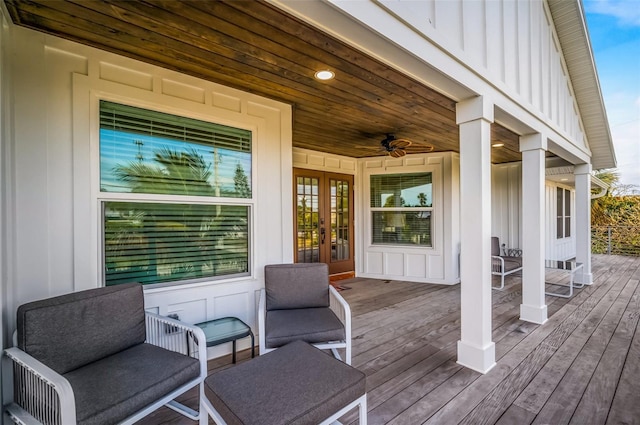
(256, 47)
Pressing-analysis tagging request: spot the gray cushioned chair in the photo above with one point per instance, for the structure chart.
(504, 265)
(96, 357)
(297, 303)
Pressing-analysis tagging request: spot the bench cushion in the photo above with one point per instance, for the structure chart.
(299, 285)
(70, 331)
(294, 385)
(111, 389)
(311, 325)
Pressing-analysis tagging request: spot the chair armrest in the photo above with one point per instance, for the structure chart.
(174, 335)
(341, 308)
(262, 311)
(39, 392)
(497, 264)
(338, 305)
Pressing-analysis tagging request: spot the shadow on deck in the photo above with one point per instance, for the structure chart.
(581, 367)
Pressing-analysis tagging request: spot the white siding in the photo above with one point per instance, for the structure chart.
(56, 228)
(506, 200)
(436, 264)
(6, 233)
(507, 50)
(506, 215)
(511, 44)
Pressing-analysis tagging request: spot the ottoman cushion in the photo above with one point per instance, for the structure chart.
(296, 384)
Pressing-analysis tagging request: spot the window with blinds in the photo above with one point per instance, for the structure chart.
(183, 232)
(401, 209)
(563, 208)
(144, 151)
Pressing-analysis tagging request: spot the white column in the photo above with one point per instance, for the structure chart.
(582, 174)
(533, 307)
(475, 348)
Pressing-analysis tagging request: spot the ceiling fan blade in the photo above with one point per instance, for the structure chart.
(397, 153)
(400, 143)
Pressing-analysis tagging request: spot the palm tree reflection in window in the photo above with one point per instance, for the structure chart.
(153, 242)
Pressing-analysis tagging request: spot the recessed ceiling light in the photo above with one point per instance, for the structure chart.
(325, 74)
(497, 145)
(564, 180)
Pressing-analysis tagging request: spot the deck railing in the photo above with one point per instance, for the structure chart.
(616, 240)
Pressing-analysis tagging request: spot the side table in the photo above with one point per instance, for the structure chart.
(569, 267)
(227, 329)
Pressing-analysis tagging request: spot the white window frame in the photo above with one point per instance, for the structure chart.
(100, 197)
(435, 193)
(564, 216)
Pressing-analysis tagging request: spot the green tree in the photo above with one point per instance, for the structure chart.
(241, 182)
(616, 187)
(422, 198)
(176, 173)
(154, 229)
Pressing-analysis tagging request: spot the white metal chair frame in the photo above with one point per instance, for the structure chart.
(54, 402)
(497, 269)
(361, 402)
(340, 308)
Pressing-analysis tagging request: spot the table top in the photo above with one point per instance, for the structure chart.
(562, 265)
(225, 329)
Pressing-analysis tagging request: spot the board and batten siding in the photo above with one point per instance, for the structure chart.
(55, 234)
(506, 212)
(436, 264)
(506, 47)
(506, 204)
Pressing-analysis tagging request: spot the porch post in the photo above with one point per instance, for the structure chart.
(582, 174)
(533, 307)
(475, 348)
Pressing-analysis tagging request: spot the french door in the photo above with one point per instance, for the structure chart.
(323, 208)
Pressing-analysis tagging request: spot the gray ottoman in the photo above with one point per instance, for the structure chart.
(295, 384)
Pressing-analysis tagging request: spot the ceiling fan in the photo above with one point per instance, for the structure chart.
(395, 147)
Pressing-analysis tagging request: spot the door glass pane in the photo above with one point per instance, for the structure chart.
(339, 223)
(307, 206)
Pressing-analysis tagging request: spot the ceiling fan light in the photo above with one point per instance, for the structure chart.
(324, 74)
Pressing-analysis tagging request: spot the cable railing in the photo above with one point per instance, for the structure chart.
(616, 240)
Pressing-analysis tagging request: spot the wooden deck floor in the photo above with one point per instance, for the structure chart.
(581, 367)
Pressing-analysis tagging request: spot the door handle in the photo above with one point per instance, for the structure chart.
(322, 235)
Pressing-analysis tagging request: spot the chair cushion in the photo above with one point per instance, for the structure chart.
(111, 389)
(298, 285)
(510, 265)
(70, 331)
(294, 385)
(311, 325)
(516, 260)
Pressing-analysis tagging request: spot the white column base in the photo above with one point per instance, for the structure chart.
(583, 278)
(533, 314)
(480, 359)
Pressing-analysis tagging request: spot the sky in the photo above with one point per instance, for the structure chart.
(614, 29)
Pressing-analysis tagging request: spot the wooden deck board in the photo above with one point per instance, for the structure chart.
(538, 392)
(580, 367)
(596, 401)
(565, 398)
(625, 408)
